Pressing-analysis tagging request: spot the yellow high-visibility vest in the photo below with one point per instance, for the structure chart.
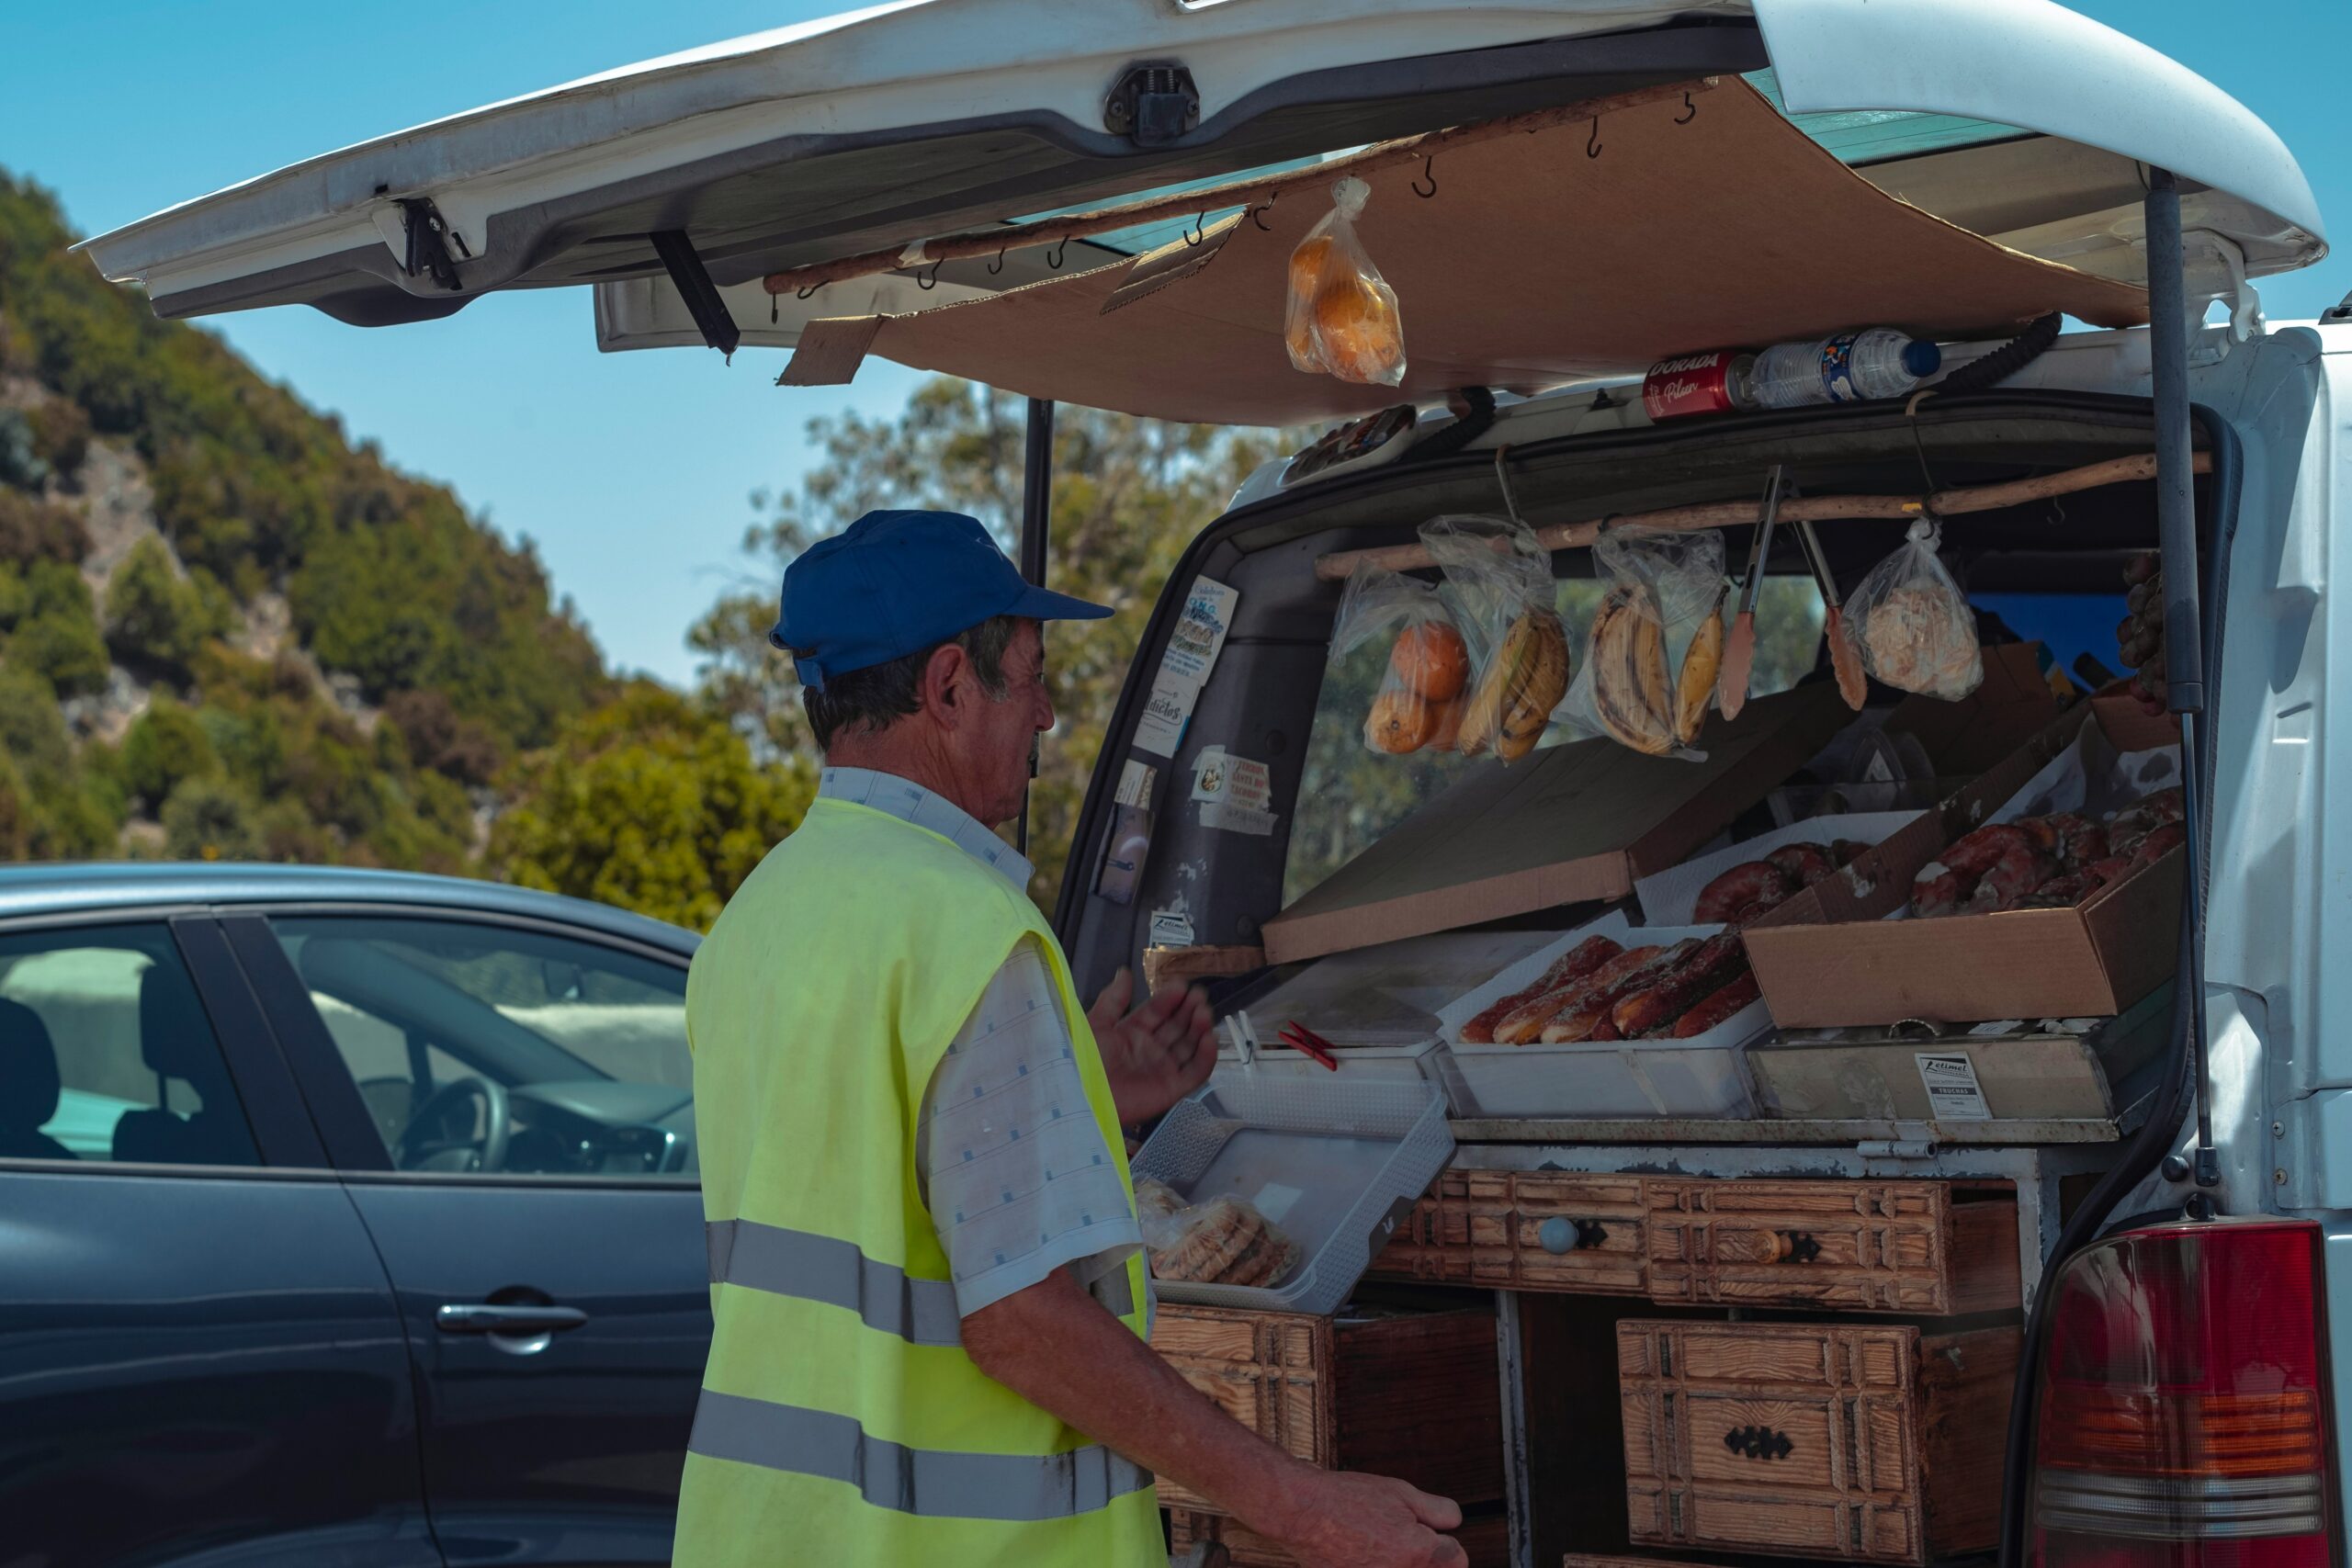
(840, 1422)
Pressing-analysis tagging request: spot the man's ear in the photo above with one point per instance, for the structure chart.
(947, 685)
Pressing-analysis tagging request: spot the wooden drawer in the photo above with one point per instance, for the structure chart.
(1907, 1246)
(1416, 1395)
(1873, 1444)
(1535, 1230)
(1486, 1538)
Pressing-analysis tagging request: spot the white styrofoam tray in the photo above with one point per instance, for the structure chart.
(1335, 1165)
(1669, 897)
(1358, 1064)
(1704, 1076)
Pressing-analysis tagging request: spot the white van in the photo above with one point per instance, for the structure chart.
(2177, 1255)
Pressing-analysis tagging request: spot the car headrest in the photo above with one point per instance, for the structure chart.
(174, 1039)
(28, 1082)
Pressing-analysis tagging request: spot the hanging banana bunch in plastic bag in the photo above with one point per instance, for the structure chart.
(1498, 581)
(1664, 588)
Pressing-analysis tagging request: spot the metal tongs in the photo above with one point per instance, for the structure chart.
(1739, 651)
(1296, 1035)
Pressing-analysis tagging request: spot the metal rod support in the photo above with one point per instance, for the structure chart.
(2176, 500)
(1036, 534)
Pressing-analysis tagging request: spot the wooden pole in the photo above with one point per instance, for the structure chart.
(1337, 566)
(1000, 237)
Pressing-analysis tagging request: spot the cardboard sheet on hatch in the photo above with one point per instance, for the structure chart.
(1569, 824)
(1532, 265)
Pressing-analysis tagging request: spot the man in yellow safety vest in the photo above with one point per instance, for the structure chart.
(927, 1280)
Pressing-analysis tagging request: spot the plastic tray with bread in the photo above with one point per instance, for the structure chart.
(1327, 1170)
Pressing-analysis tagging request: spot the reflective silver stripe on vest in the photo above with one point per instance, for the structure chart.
(933, 1483)
(823, 1268)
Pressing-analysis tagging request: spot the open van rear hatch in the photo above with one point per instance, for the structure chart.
(675, 186)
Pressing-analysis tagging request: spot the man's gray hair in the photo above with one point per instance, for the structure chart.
(879, 695)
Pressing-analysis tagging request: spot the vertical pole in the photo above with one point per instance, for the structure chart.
(1037, 530)
(2183, 619)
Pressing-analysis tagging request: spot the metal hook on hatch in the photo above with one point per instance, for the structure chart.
(1053, 258)
(1271, 197)
(1193, 235)
(774, 305)
(1429, 172)
(1689, 111)
(1502, 482)
(1592, 139)
(930, 281)
(997, 266)
(806, 293)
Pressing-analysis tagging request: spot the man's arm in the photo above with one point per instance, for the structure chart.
(1056, 1346)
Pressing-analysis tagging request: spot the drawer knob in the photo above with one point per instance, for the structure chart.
(1794, 1246)
(1758, 1442)
(1561, 1235)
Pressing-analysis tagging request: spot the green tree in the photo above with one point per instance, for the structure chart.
(155, 616)
(166, 747)
(652, 802)
(56, 633)
(1128, 496)
(210, 819)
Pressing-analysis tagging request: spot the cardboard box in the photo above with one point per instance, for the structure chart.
(1568, 824)
(1669, 897)
(1832, 955)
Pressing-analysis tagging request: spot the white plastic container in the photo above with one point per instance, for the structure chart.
(1335, 1165)
(1705, 1076)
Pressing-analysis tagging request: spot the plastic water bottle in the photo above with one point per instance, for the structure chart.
(1851, 368)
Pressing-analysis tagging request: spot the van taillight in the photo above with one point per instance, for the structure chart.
(2183, 1416)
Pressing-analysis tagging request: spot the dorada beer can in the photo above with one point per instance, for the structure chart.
(1713, 382)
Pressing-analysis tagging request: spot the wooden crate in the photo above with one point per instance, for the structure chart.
(1874, 1444)
(1416, 1396)
(1484, 1538)
(1908, 1247)
(1537, 1230)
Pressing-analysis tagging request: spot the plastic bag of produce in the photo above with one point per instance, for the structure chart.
(1662, 612)
(1913, 624)
(1423, 691)
(1341, 318)
(1498, 583)
(1223, 1242)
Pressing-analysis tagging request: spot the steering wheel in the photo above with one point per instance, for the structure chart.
(418, 1148)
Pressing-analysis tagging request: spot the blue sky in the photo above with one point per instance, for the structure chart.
(632, 471)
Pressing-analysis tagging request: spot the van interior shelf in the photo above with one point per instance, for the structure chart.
(1338, 565)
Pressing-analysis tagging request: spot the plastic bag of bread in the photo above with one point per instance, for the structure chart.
(1913, 624)
(1341, 318)
(1498, 583)
(1223, 1242)
(1423, 684)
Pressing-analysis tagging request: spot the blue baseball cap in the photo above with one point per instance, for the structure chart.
(895, 582)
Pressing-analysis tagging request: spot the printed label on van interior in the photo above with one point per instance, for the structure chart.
(1954, 1093)
(1184, 669)
(1233, 793)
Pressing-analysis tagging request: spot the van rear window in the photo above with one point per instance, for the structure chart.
(1349, 795)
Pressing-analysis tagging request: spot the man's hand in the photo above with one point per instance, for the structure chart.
(1157, 1054)
(1348, 1519)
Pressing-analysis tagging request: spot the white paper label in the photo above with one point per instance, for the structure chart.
(1184, 669)
(1954, 1093)
(1233, 793)
(1171, 928)
(1998, 1027)
(1135, 784)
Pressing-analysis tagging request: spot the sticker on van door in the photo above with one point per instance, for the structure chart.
(1233, 791)
(1184, 668)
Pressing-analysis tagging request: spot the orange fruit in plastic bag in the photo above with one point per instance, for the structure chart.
(1445, 728)
(1357, 322)
(1431, 659)
(1306, 264)
(1400, 722)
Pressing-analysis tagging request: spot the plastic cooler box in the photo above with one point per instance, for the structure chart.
(1336, 1166)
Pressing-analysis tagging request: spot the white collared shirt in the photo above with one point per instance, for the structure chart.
(1018, 1176)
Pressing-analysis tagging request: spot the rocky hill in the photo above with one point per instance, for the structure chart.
(226, 630)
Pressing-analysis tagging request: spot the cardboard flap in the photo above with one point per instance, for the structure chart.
(1569, 824)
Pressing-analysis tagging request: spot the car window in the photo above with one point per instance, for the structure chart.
(106, 1054)
(1349, 794)
(490, 1049)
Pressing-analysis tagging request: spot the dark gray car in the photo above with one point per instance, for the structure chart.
(345, 1217)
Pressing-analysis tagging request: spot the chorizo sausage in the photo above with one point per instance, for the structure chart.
(1650, 1007)
(1578, 1022)
(1525, 1023)
(2158, 844)
(1803, 865)
(1751, 882)
(1565, 970)
(1718, 1008)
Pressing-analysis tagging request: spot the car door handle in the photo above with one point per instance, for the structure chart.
(483, 1318)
